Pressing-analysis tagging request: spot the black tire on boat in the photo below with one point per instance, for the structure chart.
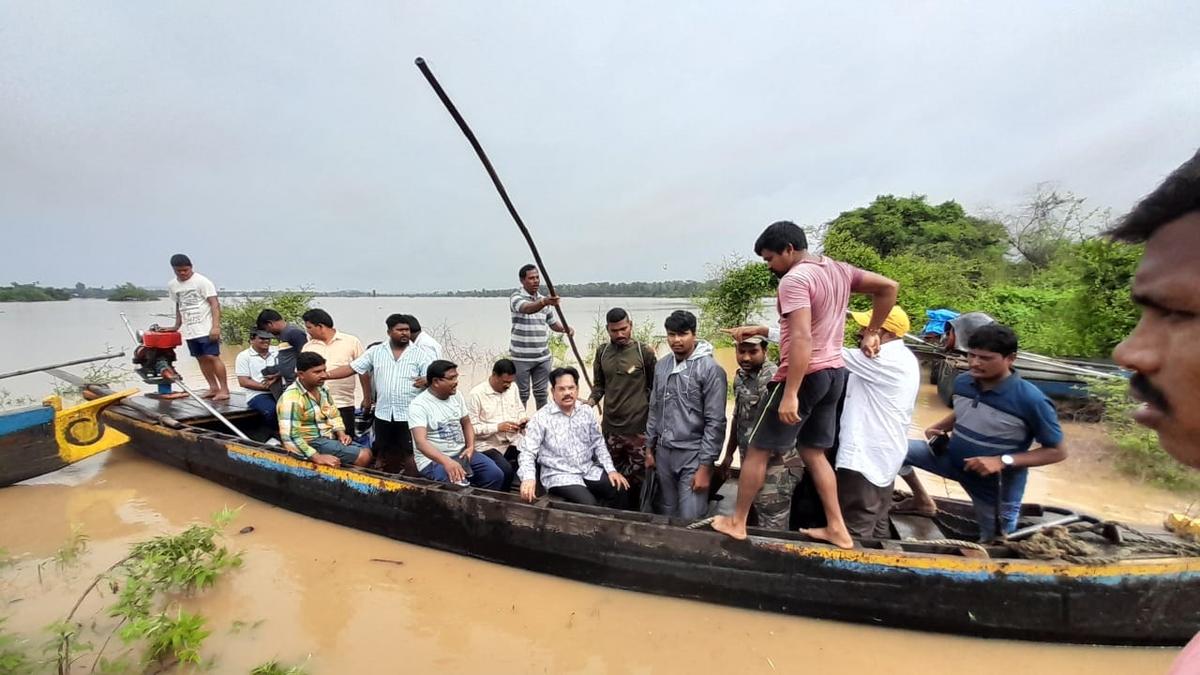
(945, 384)
(935, 370)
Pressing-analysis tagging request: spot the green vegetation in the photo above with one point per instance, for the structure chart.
(276, 668)
(1138, 451)
(16, 292)
(734, 297)
(127, 292)
(238, 316)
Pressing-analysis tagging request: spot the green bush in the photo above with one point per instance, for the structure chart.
(1138, 450)
(238, 316)
(736, 298)
(129, 292)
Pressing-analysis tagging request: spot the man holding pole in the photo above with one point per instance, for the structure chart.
(532, 321)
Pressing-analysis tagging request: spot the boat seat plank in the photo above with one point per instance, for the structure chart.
(916, 527)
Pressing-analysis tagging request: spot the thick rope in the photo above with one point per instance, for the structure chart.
(701, 523)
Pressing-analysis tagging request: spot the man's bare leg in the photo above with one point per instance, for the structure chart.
(222, 379)
(750, 481)
(825, 479)
(206, 369)
(920, 501)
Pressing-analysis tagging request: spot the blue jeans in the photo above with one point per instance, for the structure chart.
(984, 490)
(485, 473)
(264, 404)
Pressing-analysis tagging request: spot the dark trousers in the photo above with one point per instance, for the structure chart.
(264, 404)
(393, 447)
(348, 420)
(592, 492)
(509, 470)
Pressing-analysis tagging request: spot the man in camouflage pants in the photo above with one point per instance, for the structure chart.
(774, 502)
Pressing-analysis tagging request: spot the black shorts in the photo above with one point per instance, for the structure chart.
(819, 395)
(393, 445)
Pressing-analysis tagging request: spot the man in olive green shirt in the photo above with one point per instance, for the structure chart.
(623, 373)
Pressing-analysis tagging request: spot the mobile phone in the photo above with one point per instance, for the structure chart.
(940, 444)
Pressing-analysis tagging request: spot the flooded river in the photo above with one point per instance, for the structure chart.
(349, 602)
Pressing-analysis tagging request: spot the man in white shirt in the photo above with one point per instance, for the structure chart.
(249, 367)
(881, 393)
(423, 340)
(443, 436)
(198, 319)
(498, 417)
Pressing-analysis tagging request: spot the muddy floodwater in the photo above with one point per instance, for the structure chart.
(347, 602)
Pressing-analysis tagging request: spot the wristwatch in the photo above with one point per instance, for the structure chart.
(1006, 460)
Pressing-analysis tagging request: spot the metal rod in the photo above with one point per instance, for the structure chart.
(179, 381)
(512, 210)
(76, 362)
(132, 332)
(1026, 532)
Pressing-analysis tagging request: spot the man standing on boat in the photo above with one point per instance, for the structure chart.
(773, 503)
(686, 424)
(529, 344)
(397, 369)
(309, 423)
(497, 417)
(249, 366)
(442, 432)
(291, 341)
(1161, 350)
(198, 320)
(338, 349)
(984, 443)
(622, 377)
(800, 410)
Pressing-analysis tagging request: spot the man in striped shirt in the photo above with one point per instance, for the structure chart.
(309, 423)
(532, 321)
(397, 369)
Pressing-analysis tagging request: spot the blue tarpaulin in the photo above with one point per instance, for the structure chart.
(937, 321)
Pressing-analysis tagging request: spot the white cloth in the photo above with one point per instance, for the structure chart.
(429, 344)
(880, 396)
(488, 408)
(191, 297)
(443, 424)
(250, 364)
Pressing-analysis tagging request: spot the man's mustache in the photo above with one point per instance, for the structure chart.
(1144, 391)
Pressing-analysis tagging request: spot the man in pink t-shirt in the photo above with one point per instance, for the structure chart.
(799, 409)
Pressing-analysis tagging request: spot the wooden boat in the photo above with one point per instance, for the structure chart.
(1062, 383)
(44, 438)
(1124, 599)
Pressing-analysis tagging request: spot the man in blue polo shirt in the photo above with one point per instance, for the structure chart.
(997, 416)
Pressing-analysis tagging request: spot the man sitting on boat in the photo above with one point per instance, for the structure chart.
(249, 366)
(564, 439)
(881, 394)
(310, 425)
(984, 443)
(442, 433)
(497, 417)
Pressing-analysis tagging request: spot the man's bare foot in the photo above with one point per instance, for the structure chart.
(840, 539)
(726, 526)
(923, 507)
(208, 393)
(221, 396)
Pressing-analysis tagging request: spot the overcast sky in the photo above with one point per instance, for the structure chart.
(285, 144)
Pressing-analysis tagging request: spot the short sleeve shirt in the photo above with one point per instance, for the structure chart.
(823, 286)
(442, 421)
(291, 341)
(250, 364)
(191, 297)
(529, 339)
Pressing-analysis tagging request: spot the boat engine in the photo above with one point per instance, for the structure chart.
(155, 357)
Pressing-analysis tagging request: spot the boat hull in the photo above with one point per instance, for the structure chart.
(1144, 603)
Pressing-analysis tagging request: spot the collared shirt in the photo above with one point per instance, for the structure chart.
(442, 421)
(529, 339)
(425, 342)
(881, 393)
(392, 378)
(250, 364)
(488, 408)
(305, 417)
(748, 389)
(569, 448)
(339, 351)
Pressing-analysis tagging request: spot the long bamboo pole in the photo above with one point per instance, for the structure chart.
(90, 359)
(512, 210)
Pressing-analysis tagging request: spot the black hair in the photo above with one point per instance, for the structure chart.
(616, 315)
(438, 369)
(748, 343)
(525, 270)
(318, 317)
(308, 361)
(680, 321)
(504, 367)
(994, 337)
(180, 260)
(413, 324)
(267, 316)
(778, 236)
(394, 319)
(1176, 197)
(565, 370)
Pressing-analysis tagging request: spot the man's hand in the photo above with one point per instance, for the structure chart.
(550, 301)
(702, 478)
(454, 471)
(725, 466)
(326, 460)
(468, 452)
(570, 331)
(789, 409)
(215, 334)
(507, 427)
(590, 403)
(870, 343)
(269, 380)
(933, 432)
(649, 458)
(528, 490)
(344, 438)
(367, 404)
(618, 481)
(984, 466)
(742, 332)
(419, 383)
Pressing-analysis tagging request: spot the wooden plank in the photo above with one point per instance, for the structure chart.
(916, 527)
